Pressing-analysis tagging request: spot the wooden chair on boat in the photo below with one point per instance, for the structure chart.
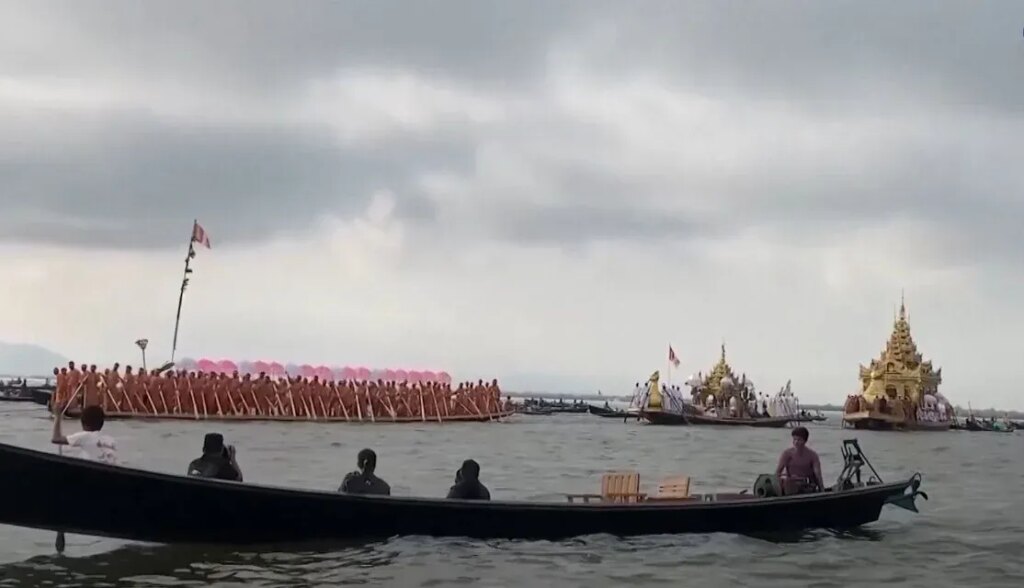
(615, 487)
(674, 488)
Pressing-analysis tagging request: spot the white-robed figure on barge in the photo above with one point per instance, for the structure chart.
(663, 398)
(784, 403)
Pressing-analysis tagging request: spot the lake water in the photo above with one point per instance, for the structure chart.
(971, 532)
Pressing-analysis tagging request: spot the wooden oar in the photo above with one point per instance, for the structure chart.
(61, 540)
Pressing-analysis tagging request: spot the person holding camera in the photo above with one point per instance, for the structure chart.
(217, 462)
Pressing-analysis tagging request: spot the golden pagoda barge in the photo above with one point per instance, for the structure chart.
(899, 390)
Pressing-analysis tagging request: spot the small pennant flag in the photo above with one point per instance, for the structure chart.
(199, 235)
(672, 356)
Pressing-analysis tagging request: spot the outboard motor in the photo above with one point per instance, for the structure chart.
(767, 486)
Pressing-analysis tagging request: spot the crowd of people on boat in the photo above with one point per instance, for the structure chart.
(799, 466)
(219, 460)
(170, 393)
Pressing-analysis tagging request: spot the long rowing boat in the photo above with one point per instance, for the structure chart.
(664, 417)
(140, 505)
(75, 412)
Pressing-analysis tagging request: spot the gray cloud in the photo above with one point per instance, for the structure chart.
(133, 178)
(137, 183)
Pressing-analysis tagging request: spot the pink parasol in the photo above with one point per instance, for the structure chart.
(362, 374)
(206, 365)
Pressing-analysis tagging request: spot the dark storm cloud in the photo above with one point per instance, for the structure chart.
(141, 177)
(138, 183)
(271, 44)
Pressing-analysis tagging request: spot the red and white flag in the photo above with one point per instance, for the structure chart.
(672, 356)
(199, 235)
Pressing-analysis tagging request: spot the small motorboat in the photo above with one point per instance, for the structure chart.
(981, 426)
(137, 505)
(606, 412)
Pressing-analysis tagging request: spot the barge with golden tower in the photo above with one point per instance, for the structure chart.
(899, 389)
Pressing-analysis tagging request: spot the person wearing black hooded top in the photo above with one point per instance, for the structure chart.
(364, 481)
(218, 461)
(467, 483)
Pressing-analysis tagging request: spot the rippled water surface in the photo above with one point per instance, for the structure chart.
(971, 532)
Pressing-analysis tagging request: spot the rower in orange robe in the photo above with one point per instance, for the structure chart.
(114, 393)
(60, 390)
(264, 396)
(204, 384)
(91, 389)
(245, 393)
(222, 385)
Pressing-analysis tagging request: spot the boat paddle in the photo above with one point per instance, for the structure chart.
(61, 542)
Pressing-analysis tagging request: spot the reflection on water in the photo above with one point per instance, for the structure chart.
(540, 458)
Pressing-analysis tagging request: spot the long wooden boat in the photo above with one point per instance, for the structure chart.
(75, 412)
(661, 417)
(139, 505)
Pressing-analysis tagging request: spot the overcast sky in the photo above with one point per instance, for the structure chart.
(544, 192)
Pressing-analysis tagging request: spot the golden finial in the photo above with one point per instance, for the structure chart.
(723, 350)
(903, 305)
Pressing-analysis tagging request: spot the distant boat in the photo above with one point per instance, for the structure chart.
(20, 390)
(973, 424)
(606, 412)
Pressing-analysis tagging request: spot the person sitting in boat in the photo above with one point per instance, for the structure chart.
(90, 442)
(217, 462)
(801, 464)
(365, 481)
(467, 483)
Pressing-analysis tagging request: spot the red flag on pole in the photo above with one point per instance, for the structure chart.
(199, 235)
(672, 356)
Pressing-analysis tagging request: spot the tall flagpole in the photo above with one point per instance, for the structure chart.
(184, 283)
(668, 371)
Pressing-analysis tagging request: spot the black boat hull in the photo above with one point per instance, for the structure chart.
(977, 427)
(609, 413)
(146, 506)
(658, 417)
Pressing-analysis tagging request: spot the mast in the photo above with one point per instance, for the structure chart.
(200, 235)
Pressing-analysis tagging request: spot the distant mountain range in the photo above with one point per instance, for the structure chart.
(20, 359)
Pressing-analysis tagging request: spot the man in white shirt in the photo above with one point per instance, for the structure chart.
(90, 442)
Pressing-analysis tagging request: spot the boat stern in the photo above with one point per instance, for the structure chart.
(906, 498)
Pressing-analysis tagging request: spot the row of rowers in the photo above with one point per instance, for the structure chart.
(183, 392)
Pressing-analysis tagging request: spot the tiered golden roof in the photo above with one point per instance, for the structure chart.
(900, 371)
(712, 383)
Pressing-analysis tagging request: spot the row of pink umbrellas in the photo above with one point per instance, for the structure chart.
(279, 370)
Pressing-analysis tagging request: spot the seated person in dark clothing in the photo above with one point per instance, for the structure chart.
(217, 462)
(364, 481)
(467, 483)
